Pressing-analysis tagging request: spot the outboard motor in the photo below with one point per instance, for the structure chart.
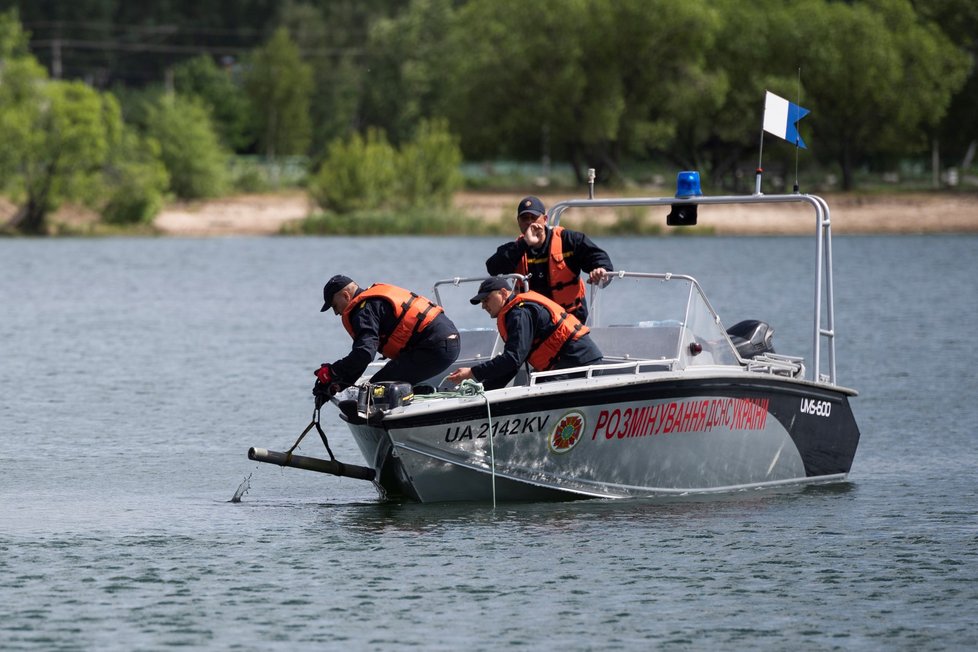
(751, 337)
(376, 398)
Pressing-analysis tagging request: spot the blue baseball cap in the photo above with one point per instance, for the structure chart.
(531, 205)
(333, 286)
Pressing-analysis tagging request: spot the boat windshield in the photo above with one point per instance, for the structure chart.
(658, 317)
(654, 321)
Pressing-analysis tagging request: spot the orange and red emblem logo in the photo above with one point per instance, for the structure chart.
(567, 432)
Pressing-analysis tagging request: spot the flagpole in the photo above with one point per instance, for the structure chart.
(760, 159)
(797, 137)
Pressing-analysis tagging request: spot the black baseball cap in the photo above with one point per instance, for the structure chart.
(531, 205)
(487, 287)
(333, 286)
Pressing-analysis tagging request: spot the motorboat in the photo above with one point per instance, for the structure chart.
(681, 405)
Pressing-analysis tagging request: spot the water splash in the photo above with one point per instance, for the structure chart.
(242, 489)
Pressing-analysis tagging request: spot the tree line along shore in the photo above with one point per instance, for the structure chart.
(276, 213)
(383, 116)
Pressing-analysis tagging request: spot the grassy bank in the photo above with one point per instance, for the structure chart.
(625, 221)
(489, 213)
(404, 223)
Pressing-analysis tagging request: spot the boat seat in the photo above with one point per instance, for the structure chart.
(752, 338)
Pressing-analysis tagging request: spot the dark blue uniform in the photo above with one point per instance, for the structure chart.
(427, 353)
(527, 325)
(580, 254)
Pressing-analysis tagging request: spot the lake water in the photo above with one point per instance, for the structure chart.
(135, 374)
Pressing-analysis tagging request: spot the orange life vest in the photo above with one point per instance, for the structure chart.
(568, 327)
(566, 287)
(412, 312)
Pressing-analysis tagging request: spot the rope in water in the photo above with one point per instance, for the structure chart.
(471, 387)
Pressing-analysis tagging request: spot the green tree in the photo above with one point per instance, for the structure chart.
(428, 167)
(57, 140)
(135, 180)
(879, 77)
(365, 174)
(280, 84)
(230, 107)
(509, 84)
(357, 174)
(13, 39)
(333, 49)
(719, 121)
(21, 79)
(406, 57)
(658, 57)
(189, 147)
(593, 81)
(66, 141)
(959, 129)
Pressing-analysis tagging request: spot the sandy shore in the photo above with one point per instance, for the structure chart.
(916, 213)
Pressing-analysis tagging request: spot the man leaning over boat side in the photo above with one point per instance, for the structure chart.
(536, 330)
(552, 257)
(413, 332)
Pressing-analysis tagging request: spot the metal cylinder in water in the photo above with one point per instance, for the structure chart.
(310, 464)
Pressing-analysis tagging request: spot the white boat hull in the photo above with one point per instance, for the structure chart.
(671, 437)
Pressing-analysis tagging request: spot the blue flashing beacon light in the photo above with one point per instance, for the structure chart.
(688, 184)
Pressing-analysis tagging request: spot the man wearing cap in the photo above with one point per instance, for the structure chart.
(412, 331)
(536, 330)
(553, 258)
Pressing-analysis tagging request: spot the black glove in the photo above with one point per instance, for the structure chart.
(323, 390)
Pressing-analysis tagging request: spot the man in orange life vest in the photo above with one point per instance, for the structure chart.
(553, 258)
(536, 330)
(413, 332)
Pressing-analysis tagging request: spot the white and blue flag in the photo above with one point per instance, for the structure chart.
(781, 117)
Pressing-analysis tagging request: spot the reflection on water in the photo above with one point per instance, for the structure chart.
(391, 516)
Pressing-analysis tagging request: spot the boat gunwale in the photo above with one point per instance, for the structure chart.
(596, 387)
